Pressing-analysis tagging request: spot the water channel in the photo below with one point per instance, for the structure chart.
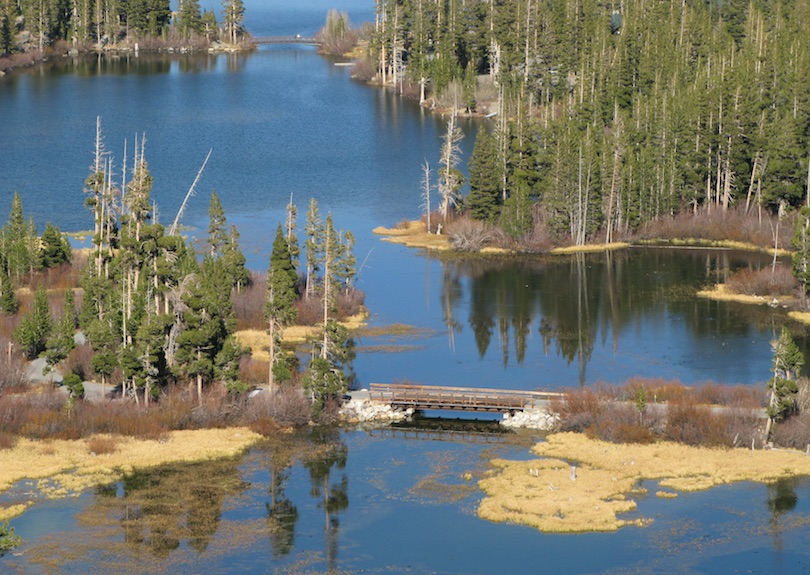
(286, 121)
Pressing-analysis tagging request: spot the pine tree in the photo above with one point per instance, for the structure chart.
(8, 297)
(34, 329)
(60, 342)
(279, 311)
(189, 18)
(217, 227)
(234, 261)
(55, 248)
(313, 246)
(233, 18)
(16, 244)
(787, 359)
(484, 201)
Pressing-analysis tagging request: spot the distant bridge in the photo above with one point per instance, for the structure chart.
(458, 398)
(307, 40)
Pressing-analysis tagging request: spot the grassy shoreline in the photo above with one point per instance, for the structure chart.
(63, 468)
(542, 494)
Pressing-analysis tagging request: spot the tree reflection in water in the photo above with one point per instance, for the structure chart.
(161, 508)
(329, 484)
(574, 301)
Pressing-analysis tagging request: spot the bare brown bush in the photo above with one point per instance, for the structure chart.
(285, 406)
(768, 281)
(716, 225)
(78, 361)
(349, 303)
(7, 440)
(253, 372)
(794, 432)
(470, 235)
(364, 70)
(310, 311)
(622, 423)
(248, 304)
(578, 409)
(102, 445)
(693, 424)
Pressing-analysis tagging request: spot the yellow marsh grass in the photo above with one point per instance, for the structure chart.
(66, 467)
(721, 293)
(800, 316)
(541, 494)
(258, 341)
(413, 235)
(590, 248)
(708, 244)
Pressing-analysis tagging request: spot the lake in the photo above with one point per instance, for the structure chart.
(286, 121)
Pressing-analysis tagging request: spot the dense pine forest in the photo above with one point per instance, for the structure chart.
(608, 116)
(28, 25)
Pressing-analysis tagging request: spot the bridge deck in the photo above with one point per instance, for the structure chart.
(458, 398)
(285, 40)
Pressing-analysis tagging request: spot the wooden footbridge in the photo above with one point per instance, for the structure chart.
(308, 40)
(421, 397)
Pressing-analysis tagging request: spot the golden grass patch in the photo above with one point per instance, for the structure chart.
(720, 293)
(541, 493)
(710, 244)
(259, 342)
(64, 468)
(590, 248)
(413, 235)
(800, 316)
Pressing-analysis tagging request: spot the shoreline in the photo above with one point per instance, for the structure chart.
(64, 468)
(584, 485)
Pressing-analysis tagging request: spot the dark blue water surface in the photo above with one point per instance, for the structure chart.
(286, 121)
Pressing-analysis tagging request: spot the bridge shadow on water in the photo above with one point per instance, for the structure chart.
(434, 425)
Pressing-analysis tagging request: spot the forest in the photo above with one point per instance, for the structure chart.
(610, 116)
(38, 25)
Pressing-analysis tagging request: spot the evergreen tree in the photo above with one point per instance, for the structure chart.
(55, 248)
(227, 365)
(787, 359)
(16, 243)
(34, 329)
(279, 311)
(325, 379)
(313, 246)
(233, 18)
(189, 18)
(8, 297)
(484, 201)
(217, 227)
(60, 342)
(234, 261)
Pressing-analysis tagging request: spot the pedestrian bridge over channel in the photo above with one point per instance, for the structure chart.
(422, 397)
(308, 40)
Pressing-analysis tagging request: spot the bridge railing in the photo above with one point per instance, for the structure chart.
(448, 397)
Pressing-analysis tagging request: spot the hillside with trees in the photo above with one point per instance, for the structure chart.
(610, 117)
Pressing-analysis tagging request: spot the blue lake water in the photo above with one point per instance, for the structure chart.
(286, 121)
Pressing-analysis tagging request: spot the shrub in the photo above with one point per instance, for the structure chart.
(577, 410)
(8, 540)
(693, 424)
(469, 235)
(78, 361)
(763, 282)
(793, 432)
(7, 440)
(102, 445)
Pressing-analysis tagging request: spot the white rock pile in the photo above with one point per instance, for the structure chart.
(531, 419)
(360, 410)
